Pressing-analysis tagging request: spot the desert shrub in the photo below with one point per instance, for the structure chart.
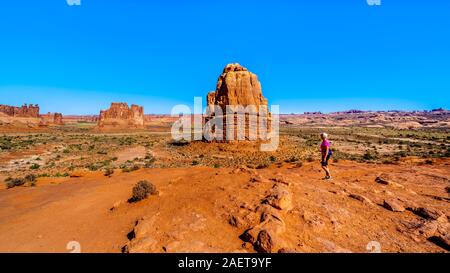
(15, 182)
(310, 159)
(132, 168)
(299, 164)
(216, 166)
(291, 160)
(108, 172)
(194, 162)
(150, 158)
(272, 158)
(142, 190)
(179, 143)
(92, 167)
(369, 155)
(429, 162)
(66, 151)
(30, 180)
(58, 174)
(35, 166)
(262, 166)
(5, 144)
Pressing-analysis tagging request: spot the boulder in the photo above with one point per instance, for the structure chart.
(385, 180)
(280, 198)
(264, 243)
(141, 245)
(429, 213)
(393, 206)
(361, 198)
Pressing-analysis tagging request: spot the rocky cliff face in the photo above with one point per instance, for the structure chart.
(238, 86)
(119, 115)
(25, 111)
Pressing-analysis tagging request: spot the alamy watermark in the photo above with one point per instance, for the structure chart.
(227, 123)
(373, 247)
(73, 2)
(373, 2)
(74, 247)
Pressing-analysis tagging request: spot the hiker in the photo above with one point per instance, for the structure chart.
(326, 154)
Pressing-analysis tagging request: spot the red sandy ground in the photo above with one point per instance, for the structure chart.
(192, 211)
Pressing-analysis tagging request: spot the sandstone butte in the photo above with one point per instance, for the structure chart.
(238, 86)
(28, 114)
(52, 118)
(120, 116)
(25, 111)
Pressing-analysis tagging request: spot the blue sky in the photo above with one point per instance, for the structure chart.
(312, 55)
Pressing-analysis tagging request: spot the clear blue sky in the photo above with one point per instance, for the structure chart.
(312, 55)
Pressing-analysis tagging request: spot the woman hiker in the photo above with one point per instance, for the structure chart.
(326, 154)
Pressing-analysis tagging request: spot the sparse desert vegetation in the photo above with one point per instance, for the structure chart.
(397, 177)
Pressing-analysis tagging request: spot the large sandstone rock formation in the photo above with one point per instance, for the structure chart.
(120, 116)
(25, 111)
(25, 116)
(237, 86)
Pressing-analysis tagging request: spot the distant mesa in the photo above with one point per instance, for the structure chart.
(25, 111)
(238, 86)
(120, 116)
(27, 116)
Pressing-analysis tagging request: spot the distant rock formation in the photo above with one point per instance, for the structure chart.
(119, 115)
(238, 86)
(23, 117)
(312, 113)
(52, 118)
(25, 111)
(80, 118)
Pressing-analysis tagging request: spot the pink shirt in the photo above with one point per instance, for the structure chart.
(323, 147)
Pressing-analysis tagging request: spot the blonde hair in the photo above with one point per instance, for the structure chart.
(324, 135)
